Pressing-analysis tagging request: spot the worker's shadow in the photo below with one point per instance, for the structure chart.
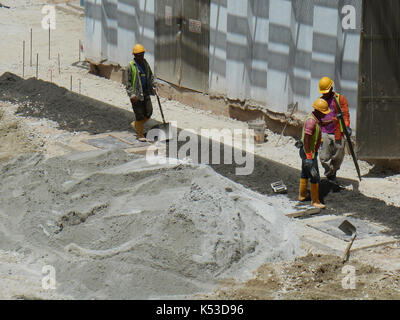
(326, 187)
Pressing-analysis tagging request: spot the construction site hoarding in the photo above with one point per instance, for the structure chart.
(270, 51)
(378, 112)
(112, 27)
(182, 39)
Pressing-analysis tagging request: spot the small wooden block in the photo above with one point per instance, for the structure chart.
(138, 150)
(303, 213)
(119, 138)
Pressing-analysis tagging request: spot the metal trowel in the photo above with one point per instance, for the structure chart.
(350, 230)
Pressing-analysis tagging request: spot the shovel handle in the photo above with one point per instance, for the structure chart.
(346, 252)
(159, 104)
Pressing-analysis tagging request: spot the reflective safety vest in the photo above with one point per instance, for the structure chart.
(338, 126)
(337, 98)
(134, 73)
(314, 137)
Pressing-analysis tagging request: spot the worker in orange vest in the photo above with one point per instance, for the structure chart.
(333, 145)
(311, 141)
(140, 85)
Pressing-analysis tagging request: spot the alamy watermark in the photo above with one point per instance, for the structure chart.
(49, 20)
(49, 279)
(208, 146)
(349, 280)
(349, 20)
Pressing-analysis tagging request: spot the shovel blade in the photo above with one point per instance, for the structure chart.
(161, 132)
(347, 228)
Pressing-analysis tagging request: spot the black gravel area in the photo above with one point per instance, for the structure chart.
(74, 112)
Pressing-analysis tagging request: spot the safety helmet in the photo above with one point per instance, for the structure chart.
(322, 106)
(138, 48)
(325, 85)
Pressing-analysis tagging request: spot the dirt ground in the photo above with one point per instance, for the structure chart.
(313, 277)
(35, 115)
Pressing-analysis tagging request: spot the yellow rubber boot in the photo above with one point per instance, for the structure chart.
(303, 189)
(139, 129)
(315, 196)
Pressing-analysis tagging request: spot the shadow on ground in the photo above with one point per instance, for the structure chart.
(72, 111)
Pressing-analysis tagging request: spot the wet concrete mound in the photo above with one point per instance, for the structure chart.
(115, 227)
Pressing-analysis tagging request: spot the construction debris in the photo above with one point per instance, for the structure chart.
(279, 187)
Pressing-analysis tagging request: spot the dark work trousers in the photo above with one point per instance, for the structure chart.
(143, 109)
(305, 173)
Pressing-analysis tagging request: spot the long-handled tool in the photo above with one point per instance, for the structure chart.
(340, 117)
(350, 230)
(294, 109)
(164, 128)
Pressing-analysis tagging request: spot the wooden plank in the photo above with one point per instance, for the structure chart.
(120, 139)
(303, 213)
(138, 150)
(372, 242)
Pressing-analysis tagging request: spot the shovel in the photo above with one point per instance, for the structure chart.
(350, 230)
(164, 129)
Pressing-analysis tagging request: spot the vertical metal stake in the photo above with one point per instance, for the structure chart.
(79, 46)
(37, 65)
(51, 75)
(31, 49)
(49, 39)
(23, 59)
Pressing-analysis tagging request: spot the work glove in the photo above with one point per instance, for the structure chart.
(308, 164)
(349, 130)
(299, 144)
(313, 173)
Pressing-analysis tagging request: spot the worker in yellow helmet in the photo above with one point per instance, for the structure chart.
(310, 143)
(139, 86)
(333, 146)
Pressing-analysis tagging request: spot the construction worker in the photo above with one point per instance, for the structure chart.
(311, 141)
(333, 145)
(139, 86)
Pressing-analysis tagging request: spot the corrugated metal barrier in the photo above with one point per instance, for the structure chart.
(378, 112)
(270, 51)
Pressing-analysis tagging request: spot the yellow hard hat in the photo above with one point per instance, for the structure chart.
(322, 106)
(138, 48)
(325, 85)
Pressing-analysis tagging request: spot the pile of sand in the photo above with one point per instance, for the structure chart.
(15, 137)
(116, 227)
